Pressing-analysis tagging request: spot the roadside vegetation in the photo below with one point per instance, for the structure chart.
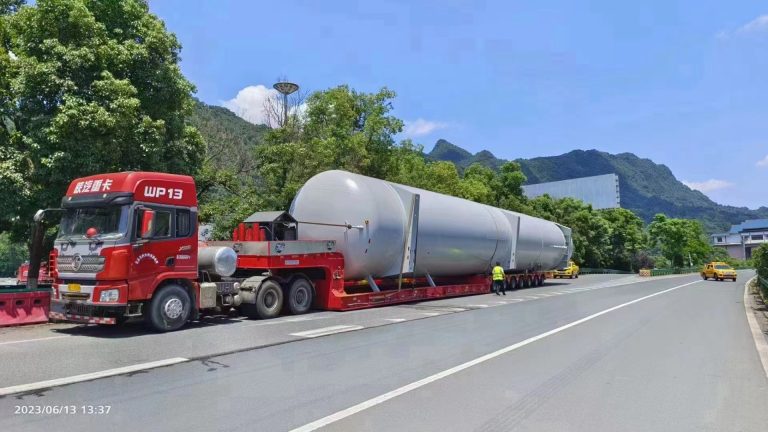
(760, 261)
(91, 86)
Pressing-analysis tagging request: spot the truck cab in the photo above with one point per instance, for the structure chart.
(718, 271)
(121, 237)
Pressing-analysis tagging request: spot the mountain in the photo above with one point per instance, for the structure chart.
(646, 188)
(219, 123)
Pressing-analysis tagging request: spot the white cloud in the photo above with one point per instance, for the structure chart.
(763, 162)
(249, 103)
(759, 24)
(708, 185)
(421, 127)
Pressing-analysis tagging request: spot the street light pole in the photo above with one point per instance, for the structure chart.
(285, 88)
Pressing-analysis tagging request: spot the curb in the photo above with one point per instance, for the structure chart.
(760, 342)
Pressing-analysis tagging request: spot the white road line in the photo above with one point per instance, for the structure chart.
(340, 415)
(515, 300)
(324, 331)
(478, 306)
(760, 344)
(23, 388)
(33, 340)
(283, 321)
(395, 319)
(430, 313)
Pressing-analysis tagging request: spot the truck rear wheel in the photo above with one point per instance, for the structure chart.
(300, 296)
(169, 308)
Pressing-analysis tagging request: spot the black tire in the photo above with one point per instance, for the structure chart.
(169, 309)
(704, 276)
(577, 275)
(527, 282)
(734, 279)
(513, 284)
(300, 297)
(269, 300)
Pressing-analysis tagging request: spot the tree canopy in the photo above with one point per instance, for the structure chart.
(87, 86)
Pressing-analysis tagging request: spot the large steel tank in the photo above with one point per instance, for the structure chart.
(378, 224)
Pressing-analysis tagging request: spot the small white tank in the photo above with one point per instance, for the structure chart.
(451, 236)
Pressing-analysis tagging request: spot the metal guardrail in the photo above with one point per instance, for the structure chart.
(763, 286)
(669, 271)
(586, 271)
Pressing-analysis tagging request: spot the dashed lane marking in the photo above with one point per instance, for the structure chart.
(324, 331)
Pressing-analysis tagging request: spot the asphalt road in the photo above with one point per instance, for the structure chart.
(601, 354)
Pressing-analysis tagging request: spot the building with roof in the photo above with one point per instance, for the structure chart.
(742, 238)
(602, 192)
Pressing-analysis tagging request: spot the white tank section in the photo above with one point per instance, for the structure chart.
(385, 222)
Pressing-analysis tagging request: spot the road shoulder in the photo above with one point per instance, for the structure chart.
(757, 317)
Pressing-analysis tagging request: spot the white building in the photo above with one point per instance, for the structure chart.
(741, 239)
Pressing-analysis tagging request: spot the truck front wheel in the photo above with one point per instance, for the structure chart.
(169, 308)
(299, 296)
(269, 301)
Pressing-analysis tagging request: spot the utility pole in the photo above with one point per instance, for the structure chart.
(285, 88)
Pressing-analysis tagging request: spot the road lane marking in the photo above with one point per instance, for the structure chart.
(760, 344)
(430, 313)
(324, 331)
(395, 319)
(33, 340)
(24, 388)
(340, 415)
(283, 321)
(478, 306)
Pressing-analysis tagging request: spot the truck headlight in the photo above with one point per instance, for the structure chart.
(109, 296)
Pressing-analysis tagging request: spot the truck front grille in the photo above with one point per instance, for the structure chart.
(80, 263)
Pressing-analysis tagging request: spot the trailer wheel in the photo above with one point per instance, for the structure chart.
(269, 300)
(540, 280)
(169, 308)
(300, 296)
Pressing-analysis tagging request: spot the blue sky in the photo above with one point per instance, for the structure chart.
(684, 83)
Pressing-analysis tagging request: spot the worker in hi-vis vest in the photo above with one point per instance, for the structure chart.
(498, 279)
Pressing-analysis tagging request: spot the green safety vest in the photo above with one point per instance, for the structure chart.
(498, 273)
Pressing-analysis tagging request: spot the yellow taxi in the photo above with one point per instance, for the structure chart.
(570, 272)
(718, 271)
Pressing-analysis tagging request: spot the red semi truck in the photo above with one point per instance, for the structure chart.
(128, 247)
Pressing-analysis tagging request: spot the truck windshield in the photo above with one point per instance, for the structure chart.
(107, 223)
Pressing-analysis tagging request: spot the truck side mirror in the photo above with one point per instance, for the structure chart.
(147, 223)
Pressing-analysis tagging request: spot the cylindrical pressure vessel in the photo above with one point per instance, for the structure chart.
(379, 223)
(220, 260)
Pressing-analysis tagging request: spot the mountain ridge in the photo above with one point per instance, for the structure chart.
(646, 188)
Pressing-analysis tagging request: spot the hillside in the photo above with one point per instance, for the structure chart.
(647, 188)
(229, 138)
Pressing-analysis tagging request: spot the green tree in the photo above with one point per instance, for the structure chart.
(91, 86)
(681, 241)
(760, 260)
(626, 238)
(591, 233)
(11, 255)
